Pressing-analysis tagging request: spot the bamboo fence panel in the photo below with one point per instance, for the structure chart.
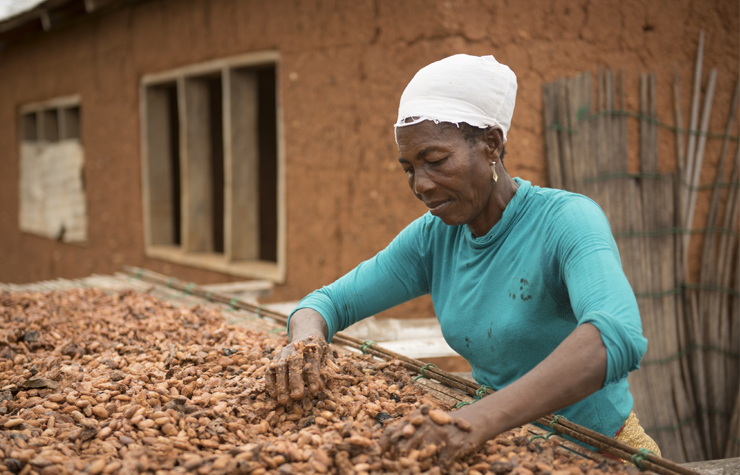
(713, 305)
(645, 210)
(694, 329)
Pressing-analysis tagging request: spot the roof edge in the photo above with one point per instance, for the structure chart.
(51, 14)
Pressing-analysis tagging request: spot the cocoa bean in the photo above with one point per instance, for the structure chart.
(439, 417)
(462, 424)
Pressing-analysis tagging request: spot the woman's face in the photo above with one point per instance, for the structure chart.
(450, 175)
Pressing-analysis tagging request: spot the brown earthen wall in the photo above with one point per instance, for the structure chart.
(346, 194)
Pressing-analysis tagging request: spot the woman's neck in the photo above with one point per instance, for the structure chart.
(503, 191)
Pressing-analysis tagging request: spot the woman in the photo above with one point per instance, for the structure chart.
(526, 281)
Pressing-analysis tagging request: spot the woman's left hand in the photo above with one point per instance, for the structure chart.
(432, 431)
(576, 369)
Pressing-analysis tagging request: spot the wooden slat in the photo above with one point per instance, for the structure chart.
(195, 161)
(241, 155)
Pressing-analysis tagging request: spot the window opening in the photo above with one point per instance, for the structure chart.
(215, 96)
(267, 123)
(174, 159)
(30, 129)
(163, 167)
(70, 123)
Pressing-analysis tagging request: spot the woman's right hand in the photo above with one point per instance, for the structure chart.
(296, 366)
(299, 363)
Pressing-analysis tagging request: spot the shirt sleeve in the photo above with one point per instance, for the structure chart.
(393, 276)
(597, 286)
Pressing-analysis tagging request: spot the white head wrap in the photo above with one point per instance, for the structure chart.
(477, 90)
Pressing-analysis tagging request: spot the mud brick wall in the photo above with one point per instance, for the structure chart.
(343, 68)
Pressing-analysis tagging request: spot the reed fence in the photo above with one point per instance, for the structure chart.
(686, 393)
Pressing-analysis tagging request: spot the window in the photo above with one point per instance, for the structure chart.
(212, 166)
(52, 192)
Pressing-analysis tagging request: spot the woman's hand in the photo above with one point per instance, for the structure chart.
(432, 431)
(296, 366)
(299, 363)
(573, 371)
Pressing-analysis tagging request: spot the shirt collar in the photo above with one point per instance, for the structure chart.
(512, 213)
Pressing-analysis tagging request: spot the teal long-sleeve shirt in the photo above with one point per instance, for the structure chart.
(507, 299)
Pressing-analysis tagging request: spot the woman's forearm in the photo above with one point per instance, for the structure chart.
(307, 322)
(575, 370)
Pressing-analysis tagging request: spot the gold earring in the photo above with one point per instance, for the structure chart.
(493, 169)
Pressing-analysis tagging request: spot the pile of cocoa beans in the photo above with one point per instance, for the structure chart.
(126, 383)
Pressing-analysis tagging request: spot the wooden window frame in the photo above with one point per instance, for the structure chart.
(188, 253)
(61, 105)
(55, 120)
